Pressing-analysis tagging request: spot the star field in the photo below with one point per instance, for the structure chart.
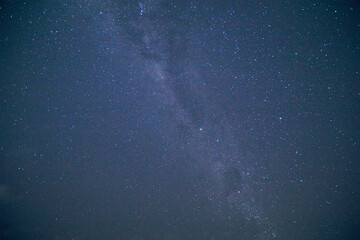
(158, 119)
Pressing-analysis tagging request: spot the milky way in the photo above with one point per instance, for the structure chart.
(211, 147)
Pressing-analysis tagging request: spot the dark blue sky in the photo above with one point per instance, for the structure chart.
(160, 119)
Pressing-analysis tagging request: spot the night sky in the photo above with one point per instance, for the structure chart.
(180, 120)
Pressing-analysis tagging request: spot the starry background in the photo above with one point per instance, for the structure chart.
(160, 119)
